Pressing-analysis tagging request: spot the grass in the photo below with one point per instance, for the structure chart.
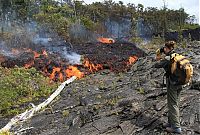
(65, 113)
(6, 133)
(19, 86)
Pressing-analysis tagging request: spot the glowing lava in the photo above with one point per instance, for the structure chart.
(132, 60)
(92, 67)
(106, 40)
(73, 71)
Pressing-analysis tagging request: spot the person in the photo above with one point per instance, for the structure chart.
(173, 88)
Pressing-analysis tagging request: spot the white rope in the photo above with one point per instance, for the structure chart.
(29, 113)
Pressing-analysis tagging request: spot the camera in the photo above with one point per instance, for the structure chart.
(162, 50)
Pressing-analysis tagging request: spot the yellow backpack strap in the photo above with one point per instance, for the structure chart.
(174, 55)
(174, 62)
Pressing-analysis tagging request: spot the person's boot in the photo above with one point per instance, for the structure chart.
(165, 125)
(174, 130)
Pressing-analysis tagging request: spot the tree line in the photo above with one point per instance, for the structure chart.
(60, 15)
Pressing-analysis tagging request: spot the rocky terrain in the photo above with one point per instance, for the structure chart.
(124, 103)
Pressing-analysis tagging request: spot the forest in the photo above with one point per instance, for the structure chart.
(99, 17)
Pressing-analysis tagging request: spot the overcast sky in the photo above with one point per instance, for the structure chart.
(191, 6)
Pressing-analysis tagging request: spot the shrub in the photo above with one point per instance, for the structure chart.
(20, 85)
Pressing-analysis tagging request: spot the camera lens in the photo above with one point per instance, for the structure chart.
(162, 50)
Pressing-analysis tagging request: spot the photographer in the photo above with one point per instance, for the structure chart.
(173, 89)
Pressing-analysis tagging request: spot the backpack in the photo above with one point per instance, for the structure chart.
(181, 68)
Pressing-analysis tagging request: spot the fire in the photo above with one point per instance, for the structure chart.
(61, 77)
(73, 71)
(57, 73)
(36, 55)
(58, 70)
(70, 71)
(91, 66)
(28, 65)
(106, 40)
(53, 74)
(132, 60)
(44, 53)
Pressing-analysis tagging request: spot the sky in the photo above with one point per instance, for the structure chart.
(191, 7)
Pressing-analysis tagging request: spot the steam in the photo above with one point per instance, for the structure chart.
(3, 49)
(29, 37)
(41, 40)
(73, 57)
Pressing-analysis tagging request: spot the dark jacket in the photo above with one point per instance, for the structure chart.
(166, 64)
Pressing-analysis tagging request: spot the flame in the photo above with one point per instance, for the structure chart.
(36, 55)
(70, 71)
(61, 77)
(28, 65)
(91, 66)
(53, 74)
(132, 59)
(73, 71)
(44, 53)
(106, 40)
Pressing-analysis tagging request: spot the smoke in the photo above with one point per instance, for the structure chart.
(73, 57)
(143, 30)
(41, 40)
(79, 33)
(33, 37)
(118, 29)
(4, 50)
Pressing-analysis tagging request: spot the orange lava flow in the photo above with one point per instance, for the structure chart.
(132, 59)
(28, 65)
(92, 67)
(106, 40)
(53, 74)
(36, 55)
(73, 71)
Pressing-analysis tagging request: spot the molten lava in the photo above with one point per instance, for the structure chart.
(132, 60)
(69, 72)
(73, 71)
(36, 55)
(54, 72)
(29, 65)
(106, 40)
(92, 67)
(115, 57)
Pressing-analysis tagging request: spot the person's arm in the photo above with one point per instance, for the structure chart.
(162, 63)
